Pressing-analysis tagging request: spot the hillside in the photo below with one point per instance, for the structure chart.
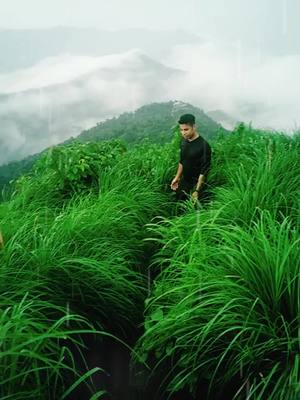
(154, 121)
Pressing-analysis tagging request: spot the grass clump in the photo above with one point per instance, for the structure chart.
(224, 309)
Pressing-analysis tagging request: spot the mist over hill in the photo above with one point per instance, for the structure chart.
(41, 113)
(55, 83)
(24, 48)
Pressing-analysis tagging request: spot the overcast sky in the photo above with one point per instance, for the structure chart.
(232, 18)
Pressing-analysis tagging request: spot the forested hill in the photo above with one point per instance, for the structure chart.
(154, 121)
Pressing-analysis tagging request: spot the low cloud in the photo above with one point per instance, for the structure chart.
(58, 70)
(60, 97)
(240, 81)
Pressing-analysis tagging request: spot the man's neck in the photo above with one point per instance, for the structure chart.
(194, 137)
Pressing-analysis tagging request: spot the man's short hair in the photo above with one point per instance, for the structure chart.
(188, 119)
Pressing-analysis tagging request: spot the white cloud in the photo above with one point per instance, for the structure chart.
(240, 81)
(57, 70)
(60, 97)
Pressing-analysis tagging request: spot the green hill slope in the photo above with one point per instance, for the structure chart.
(154, 121)
(208, 297)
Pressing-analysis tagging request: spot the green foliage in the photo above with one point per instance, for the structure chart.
(153, 121)
(65, 171)
(76, 166)
(35, 339)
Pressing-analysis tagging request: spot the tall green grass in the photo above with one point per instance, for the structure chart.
(222, 303)
(34, 355)
(82, 252)
(225, 306)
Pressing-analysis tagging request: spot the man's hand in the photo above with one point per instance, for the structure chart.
(174, 183)
(195, 196)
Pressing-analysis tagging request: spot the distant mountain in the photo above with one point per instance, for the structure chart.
(36, 118)
(24, 48)
(155, 121)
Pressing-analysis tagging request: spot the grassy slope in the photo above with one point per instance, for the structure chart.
(225, 305)
(82, 253)
(226, 294)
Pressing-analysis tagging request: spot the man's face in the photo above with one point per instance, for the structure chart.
(187, 131)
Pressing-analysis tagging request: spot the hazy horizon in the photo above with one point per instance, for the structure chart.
(232, 19)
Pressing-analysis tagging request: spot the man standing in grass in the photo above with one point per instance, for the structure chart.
(194, 164)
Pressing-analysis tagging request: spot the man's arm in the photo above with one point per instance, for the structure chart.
(1, 240)
(200, 182)
(175, 181)
(179, 171)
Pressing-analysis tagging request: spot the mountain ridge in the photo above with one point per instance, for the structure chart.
(83, 41)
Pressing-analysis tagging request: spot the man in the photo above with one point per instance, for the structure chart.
(195, 160)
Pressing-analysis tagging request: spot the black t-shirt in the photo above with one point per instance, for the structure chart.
(195, 157)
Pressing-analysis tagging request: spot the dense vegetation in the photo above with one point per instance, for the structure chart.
(94, 243)
(225, 305)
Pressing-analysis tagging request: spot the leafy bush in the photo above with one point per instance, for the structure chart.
(76, 166)
(65, 171)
